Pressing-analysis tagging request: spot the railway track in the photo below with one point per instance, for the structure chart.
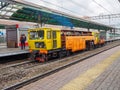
(36, 71)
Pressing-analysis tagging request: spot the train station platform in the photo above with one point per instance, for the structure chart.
(100, 72)
(4, 51)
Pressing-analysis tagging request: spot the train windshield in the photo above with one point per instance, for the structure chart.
(37, 35)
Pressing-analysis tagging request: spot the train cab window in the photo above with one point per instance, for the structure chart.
(48, 34)
(41, 34)
(37, 35)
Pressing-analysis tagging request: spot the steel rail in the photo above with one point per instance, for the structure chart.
(35, 78)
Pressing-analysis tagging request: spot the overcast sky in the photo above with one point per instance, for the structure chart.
(82, 8)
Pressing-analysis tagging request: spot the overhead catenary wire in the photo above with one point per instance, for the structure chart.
(81, 6)
(60, 6)
(109, 3)
(77, 4)
(101, 6)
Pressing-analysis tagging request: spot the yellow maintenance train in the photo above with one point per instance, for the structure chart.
(45, 43)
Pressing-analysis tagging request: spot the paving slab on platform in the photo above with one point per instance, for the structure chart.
(100, 72)
(12, 51)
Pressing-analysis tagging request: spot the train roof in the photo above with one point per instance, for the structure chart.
(44, 28)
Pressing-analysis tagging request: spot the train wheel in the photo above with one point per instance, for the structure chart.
(46, 57)
(43, 58)
(60, 54)
(68, 53)
(40, 58)
(32, 57)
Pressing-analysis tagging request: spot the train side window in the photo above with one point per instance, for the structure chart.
(48, 34)
(62, 33)
(54, 34)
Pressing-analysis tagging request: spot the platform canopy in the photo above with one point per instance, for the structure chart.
(25, 11)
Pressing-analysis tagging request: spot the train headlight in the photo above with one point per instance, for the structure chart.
(39, 45)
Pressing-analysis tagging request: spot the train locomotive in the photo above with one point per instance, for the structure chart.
(45, 43)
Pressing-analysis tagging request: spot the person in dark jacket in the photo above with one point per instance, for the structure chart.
(22, 41)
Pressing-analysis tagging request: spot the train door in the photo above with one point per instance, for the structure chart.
(54, 34)
(11, 36)
(83, 43)
(49, 40)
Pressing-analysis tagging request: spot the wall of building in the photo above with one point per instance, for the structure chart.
(2, 35)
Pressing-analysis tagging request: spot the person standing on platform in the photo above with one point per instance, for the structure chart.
(22, 41)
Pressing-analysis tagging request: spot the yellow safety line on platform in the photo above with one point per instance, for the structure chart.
(82, 81)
